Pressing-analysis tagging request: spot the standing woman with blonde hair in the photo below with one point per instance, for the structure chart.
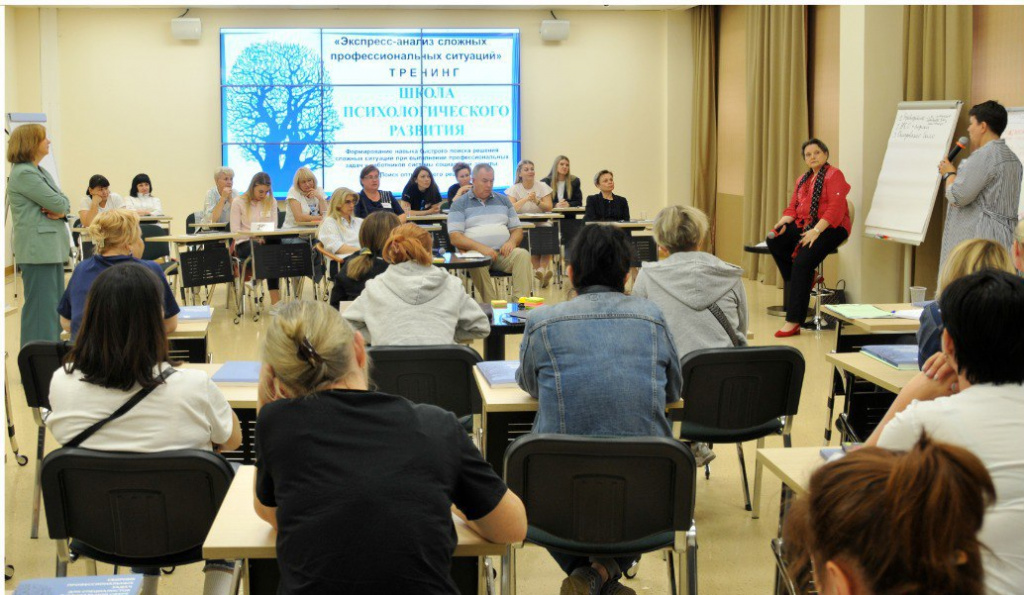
(40, 241)
(118, 240)
(257, 205)
(565, 186)
(413, 302)
(967, 257)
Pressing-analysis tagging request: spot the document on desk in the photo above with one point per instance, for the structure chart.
(858, 311)
(914, 314)
(470, 254)
(195, 313)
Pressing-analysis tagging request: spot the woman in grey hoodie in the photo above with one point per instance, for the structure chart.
(414, 302)
(686, 285)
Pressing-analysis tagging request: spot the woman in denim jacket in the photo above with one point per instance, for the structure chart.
(601, 364)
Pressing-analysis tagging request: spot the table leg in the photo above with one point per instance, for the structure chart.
(786, 500)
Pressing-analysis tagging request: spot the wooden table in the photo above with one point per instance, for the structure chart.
(627, 225)
(211, 225)
(794, 466)
(238, 534)
(872, 370)
(851, 335)
(569, 211)
(882, 325)
(507, 413)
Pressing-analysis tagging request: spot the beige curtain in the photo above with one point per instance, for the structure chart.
(938, 44)
(777, 122)
(704, 142)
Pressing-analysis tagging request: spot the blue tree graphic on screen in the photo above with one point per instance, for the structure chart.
(279, 111)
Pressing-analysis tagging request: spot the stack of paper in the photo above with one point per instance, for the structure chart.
(858, 311)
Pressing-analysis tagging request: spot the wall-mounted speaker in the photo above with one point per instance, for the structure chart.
(187, 29)
(554, 30)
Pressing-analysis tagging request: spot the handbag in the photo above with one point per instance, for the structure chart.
(132, 402)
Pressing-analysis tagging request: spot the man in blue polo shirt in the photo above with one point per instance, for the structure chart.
(484, 221)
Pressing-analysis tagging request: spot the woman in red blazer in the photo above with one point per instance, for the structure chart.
(816, 221)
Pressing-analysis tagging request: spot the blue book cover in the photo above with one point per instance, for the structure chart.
(238, 372)
(195, 313)
(119, 584)
(500, 374)
(902, 357)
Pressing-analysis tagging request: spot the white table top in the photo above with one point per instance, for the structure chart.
(194, 238)
(794, 466)
(298, 231)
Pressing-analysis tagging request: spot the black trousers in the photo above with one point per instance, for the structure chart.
(799, 271)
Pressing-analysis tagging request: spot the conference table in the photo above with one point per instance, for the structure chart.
(239, 534)
(862, 413)
(794, 466)
(276, 261)
(851, 335)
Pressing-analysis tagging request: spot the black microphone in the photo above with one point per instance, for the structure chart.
(960, 144)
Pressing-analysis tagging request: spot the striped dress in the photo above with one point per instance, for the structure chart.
(983, 198)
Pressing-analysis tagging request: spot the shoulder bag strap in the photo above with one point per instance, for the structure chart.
(132, 402)
(722, 320)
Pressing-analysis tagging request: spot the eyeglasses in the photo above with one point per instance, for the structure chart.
(372, 178)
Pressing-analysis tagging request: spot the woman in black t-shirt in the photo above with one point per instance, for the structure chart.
(360, 484)
(421, 195)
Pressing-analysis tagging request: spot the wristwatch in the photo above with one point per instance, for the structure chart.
(945, 176)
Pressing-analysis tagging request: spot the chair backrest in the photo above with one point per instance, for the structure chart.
(732, 388)
(643, 249)
(134, 505)
(440, 375)
(280, 217)
(190, 223)
(37, 361)
(544, 240)
(154, 250)
(582, 490)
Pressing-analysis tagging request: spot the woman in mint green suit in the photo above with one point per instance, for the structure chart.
(41, 243)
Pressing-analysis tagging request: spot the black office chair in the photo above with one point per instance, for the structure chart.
(439, 375)
(159, 252)
(132, 509)
(37, 361)
(606, 497)
(737, 394)
(544, 242)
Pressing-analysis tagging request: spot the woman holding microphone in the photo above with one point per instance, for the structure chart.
(40, 240)
(816, 221)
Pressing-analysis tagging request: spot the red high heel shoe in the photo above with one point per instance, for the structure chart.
(781, 334)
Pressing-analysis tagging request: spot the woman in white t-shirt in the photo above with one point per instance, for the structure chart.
(116, 356)
(531, 196)
(305, 202)
(339, 232)
(98, 199)
(140, 200)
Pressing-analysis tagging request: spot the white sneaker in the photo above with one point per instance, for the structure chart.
(702, 453)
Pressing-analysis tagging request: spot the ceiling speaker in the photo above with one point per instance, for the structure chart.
(188, 29)
(554, 30)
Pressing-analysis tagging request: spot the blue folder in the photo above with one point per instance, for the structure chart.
(238, 372)
(195, 313)
(120, 584)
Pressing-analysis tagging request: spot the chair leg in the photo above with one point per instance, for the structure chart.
(691, 560)
(743, 476)
(508, 562)
(37, 493)
(757, 482)
(150, 584)
(63, 556)
(671, 561)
